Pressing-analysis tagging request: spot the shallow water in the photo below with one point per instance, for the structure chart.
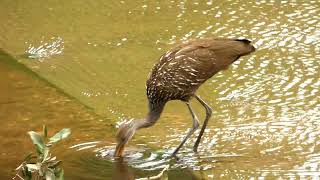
(266, 114)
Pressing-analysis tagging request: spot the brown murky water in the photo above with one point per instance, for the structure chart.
(266, 118)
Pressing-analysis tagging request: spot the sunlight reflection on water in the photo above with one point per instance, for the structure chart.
(45, 49)
(266, 106)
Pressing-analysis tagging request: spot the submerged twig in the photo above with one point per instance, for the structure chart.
(158, 176)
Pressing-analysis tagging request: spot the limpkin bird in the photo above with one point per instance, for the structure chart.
(177, 76)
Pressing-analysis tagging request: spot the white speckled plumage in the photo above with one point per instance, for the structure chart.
(181, 70)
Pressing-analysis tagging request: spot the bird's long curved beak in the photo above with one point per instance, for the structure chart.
(119, 150)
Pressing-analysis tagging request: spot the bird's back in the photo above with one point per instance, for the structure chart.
(181, 70)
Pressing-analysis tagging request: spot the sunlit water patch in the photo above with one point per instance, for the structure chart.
(45, 49)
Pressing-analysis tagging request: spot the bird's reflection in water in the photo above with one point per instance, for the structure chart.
(121, 170)
(142, 164)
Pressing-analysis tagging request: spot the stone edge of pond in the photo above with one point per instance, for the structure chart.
(15, 64)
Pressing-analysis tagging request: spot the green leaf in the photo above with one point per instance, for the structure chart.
(45, 131)
(27, 174)
(60, 175)
(33, 167)
(57, 171)
(50, 174)
(60, 135)
(46, 154)
(38, 141)
(28, 157)
(55, 164)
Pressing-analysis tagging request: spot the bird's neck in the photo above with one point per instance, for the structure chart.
(155, 110)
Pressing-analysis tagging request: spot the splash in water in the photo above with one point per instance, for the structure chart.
(46, 49)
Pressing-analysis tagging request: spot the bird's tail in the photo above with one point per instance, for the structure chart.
(247, 46)
(244, 40)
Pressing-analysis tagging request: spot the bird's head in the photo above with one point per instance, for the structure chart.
(124, 134)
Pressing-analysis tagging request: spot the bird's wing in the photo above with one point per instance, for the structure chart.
(184, 67)
(212, 55)
(187, 66)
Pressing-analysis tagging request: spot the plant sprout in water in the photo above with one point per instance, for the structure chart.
(42, 165)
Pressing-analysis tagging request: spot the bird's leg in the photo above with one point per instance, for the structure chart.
(195, 125)
(208, 115)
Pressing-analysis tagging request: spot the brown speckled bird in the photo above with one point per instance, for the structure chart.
(178, 75)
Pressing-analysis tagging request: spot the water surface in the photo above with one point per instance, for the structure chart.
(265, 121)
